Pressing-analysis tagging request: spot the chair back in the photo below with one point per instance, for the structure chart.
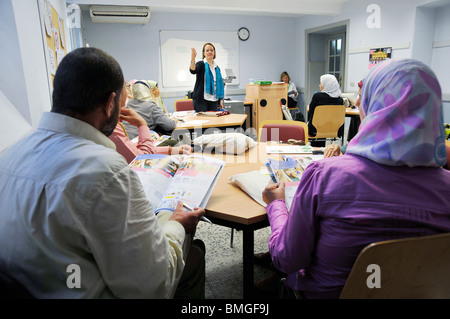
(328, 119)
(409, 268)
(184, 105)
(282, 130)
(123, 129)
(286, 113)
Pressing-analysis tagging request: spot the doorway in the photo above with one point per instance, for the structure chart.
(326, 52)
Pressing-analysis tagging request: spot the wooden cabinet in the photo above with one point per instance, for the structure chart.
(266, 100)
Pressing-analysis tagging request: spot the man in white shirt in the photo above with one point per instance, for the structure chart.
(74, 219)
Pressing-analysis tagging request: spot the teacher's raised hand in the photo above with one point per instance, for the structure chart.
(193, 56)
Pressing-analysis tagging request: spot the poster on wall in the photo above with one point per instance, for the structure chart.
(53, 37)
(379, 55)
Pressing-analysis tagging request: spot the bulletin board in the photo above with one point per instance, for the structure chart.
(53, 36)
(175, 52)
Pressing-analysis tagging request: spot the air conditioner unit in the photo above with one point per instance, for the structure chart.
(119, 14)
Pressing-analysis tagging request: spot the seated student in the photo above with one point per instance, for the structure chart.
(75, 222)
(145, 145)
(330, 94)
(389, 184)
(142, 102)
(154, 90)
(334, 149)
(355, 121)
(292, 89)
(129, 92)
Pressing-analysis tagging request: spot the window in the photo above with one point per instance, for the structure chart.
(335, 57)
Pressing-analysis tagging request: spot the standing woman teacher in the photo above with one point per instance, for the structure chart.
(209, 88)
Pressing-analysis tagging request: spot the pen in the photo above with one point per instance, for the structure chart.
(189, 208)
(272, 175)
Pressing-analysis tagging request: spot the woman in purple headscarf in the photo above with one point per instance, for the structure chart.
(389, 184)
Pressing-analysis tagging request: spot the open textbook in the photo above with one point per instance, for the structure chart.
(289, 170)
(168, 179)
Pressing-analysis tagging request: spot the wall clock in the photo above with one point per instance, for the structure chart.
(243, 34)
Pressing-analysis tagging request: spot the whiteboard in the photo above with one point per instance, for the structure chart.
(176, 55)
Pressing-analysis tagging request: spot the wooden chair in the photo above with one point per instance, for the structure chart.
(184, 105)
(327, 120)
(286, 113)
(123, 128)
(282, 131)
(410, 268)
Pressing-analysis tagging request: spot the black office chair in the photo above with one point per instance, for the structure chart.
(12, 289)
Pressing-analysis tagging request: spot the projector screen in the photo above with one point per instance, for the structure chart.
(176, 55)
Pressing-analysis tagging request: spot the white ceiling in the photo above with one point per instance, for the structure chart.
(282, 8)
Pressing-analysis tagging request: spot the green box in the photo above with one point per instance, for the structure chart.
(263, 82)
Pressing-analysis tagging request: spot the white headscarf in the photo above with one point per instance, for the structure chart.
(330, 85)
(141, 90)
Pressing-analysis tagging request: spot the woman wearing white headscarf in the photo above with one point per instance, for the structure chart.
(154, 91)
(330, 94)
(143, 103)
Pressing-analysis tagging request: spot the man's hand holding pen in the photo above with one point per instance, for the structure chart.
(189, 221)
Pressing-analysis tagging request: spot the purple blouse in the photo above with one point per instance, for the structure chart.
(345, 203)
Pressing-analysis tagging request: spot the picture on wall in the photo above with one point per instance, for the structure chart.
(379, 55)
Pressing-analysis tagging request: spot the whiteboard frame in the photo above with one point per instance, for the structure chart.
(175, 55)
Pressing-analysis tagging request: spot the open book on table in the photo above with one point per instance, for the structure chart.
(289, 170)
(303, 160)
(168, 179)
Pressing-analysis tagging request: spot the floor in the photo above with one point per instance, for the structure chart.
(224, 263)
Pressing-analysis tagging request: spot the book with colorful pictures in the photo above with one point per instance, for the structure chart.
(169, 179)
(254, 182)
(303, 160)
(289, 172)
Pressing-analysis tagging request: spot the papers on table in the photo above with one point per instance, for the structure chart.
(289, 149)
(181, 114)
(194, 122)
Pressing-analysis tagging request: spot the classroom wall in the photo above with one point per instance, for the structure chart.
(409, 27)
(440, 55)
(270, 50)
(24, 89)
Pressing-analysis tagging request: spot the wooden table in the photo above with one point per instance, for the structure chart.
(231, 207)
(197, 125)
(348, 111)
(351, 112)
(229, 120)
